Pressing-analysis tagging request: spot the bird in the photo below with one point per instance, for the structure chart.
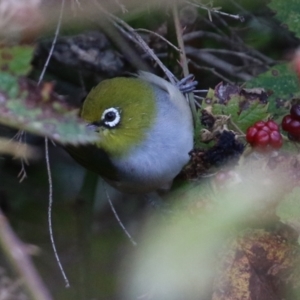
(145, 130)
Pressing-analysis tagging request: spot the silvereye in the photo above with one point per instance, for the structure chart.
(145, 132)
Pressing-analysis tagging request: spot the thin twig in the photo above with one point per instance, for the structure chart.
(53, 42)
(50, 213)
(213, 71)
(133, 242)
(58, 26)
(22, 174)
(226, 40)
(143, 45)
(217, 63)
(15, 251)
(200, 91)
(159, 36)
(216, 10)
(20, 136)
(183, 59)
(236, 127)
(122, 6)
(233, 53)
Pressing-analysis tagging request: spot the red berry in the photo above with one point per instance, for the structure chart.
(272, 125)
(291, 123)
(286, 122)
(259, 124)
(276, 140)
(250, 134)
(265, 128)
(261, 139)
(295, 112)
(294, 127)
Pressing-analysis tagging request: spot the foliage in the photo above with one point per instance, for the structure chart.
(222, 225)
(37, 109)
(16, 60)
(288, 13)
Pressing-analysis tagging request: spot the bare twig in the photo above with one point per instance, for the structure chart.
(242, 44)
(213, 71)
(183, 59)
(200, 91)
(206, 34)
(233, 53)
(142, 44)
(133, 242)
(53, 42)
(58, 26)
(22, 174)
(236, 127)
(217, 63)
(15, 251)
(199, 34)
(226, 40)
(159, 36)
(122, 6)
(50, 183)
(217, 11)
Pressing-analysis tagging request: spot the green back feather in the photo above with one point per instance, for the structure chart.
(135, 99)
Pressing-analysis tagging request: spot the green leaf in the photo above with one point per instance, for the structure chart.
(36, 109)
(16, 60)
(281, 82)
(288, 13)
(288, 210)
(255, 112)
(231, 108)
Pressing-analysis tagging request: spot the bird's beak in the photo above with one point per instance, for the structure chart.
(93, 127)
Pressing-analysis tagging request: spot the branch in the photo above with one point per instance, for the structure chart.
(226, 40)
(15, 251)
(217, 63)
(140, 42)
(234, 53)
(213, 71)
(183, 60)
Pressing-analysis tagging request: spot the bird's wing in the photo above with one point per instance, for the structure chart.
(175, 95)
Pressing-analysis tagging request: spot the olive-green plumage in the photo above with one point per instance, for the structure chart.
(137, 113)
(145, 132)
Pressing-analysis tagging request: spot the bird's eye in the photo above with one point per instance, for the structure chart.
(111, 117)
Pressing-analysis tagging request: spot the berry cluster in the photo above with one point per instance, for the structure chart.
(291, 123)
(264, 136)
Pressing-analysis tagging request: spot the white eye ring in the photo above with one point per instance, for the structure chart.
(111, 117)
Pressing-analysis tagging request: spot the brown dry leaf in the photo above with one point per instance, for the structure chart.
(257, 265)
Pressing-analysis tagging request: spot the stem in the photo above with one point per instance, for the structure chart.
(15, 251)
(236, 127)
(183, 59)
